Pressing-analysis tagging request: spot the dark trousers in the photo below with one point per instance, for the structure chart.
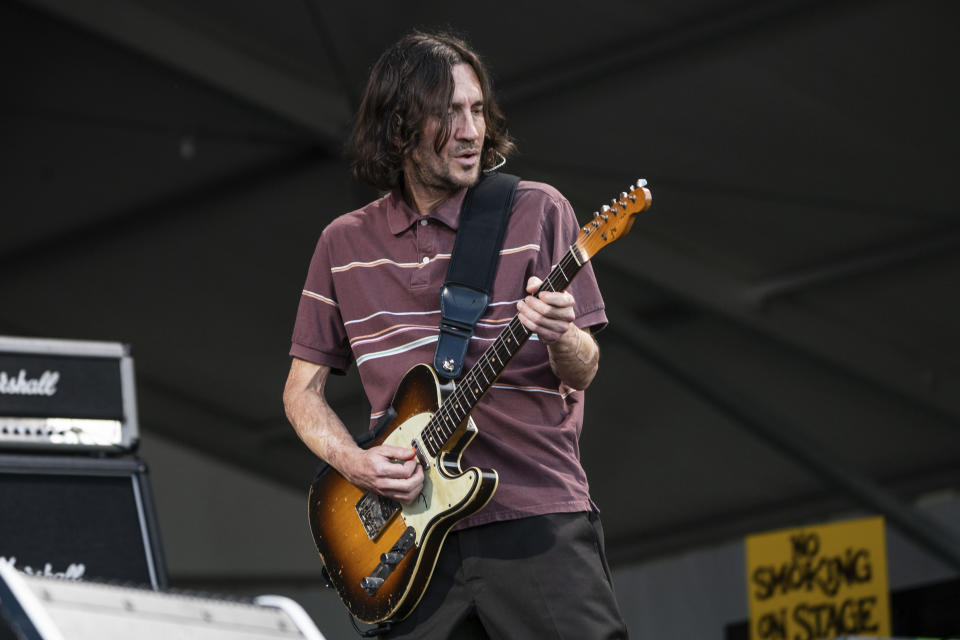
(540, 577)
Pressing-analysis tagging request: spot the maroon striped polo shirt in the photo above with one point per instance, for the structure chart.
(372, 297)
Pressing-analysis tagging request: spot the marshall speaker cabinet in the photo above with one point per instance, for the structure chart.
(66, 395)
(79, 517)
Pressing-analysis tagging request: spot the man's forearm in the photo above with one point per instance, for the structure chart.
(389, 470)
(575, 357)
(315, 422)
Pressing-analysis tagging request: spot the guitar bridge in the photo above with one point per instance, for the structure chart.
(375, 512)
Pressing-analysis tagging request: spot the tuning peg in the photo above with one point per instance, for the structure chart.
(623, 195)
(605, 208)
(596, 214)
(642, 182)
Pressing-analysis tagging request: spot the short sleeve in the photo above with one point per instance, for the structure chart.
(318, 333)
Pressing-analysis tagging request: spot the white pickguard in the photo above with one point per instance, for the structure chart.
(439, 493)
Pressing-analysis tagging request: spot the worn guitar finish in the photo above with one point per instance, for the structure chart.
(380, 555)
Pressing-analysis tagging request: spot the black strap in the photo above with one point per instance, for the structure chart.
(473, 265)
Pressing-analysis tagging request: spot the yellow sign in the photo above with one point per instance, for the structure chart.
(819, 582)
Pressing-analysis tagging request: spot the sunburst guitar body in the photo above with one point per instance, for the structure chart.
(380, 555)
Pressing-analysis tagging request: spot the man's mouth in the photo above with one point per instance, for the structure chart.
(468, 157)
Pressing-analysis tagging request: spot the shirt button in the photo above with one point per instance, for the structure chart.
(425, 260)
(423, 222)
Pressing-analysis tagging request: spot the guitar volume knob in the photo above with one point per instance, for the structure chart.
(370, 584)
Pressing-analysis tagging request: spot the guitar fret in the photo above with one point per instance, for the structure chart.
(446, 422)
(491, 364)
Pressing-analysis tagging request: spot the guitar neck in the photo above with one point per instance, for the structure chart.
(481, 376)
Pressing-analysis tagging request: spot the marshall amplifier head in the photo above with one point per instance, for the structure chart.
(66, 395)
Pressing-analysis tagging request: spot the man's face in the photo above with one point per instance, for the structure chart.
(457, 164)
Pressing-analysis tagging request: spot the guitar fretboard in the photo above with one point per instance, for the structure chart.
(481, 376)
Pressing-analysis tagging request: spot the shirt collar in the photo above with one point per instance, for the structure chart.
(401, 217)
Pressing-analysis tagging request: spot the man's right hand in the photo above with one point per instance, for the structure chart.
(391, 471)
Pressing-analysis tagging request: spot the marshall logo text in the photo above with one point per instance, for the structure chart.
(21, 385)
(75, 571)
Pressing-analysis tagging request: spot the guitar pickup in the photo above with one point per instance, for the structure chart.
(422, 459)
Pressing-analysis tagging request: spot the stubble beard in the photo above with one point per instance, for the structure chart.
(437, 174)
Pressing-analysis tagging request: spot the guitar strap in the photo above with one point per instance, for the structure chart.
(473, 266)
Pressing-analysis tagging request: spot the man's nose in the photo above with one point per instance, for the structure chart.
(467, 128)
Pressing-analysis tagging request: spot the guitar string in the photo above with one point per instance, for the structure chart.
(458, 405)
(435, 428)
(447, 414)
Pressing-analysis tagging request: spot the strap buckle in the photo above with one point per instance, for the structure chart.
(460, 308)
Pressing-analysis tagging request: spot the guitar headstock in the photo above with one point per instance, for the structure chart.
(614, 220)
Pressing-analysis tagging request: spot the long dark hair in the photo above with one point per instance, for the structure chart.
(411, 82)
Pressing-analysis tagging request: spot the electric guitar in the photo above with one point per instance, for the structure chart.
(380, 554)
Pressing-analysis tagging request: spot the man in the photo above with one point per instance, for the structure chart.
(530, 564)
